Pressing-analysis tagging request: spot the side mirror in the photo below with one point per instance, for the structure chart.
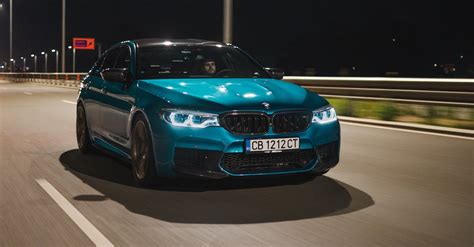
(116, 75)
(275, 73)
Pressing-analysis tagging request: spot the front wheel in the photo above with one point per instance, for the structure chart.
(143, 162)
(82, 132)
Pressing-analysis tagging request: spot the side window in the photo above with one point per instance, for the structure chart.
(95, 70)
(123, 59)
(110, 59)
(100, 61)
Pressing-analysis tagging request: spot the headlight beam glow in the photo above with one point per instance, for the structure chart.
(190, 119)
(324, 115)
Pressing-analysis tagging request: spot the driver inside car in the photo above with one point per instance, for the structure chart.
(209, 67)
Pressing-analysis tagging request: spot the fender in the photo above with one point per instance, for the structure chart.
(136, 110)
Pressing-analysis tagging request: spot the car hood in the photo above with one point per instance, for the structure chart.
(232, 93)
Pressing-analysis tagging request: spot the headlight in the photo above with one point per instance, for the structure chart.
(190, 119)
(324, 115)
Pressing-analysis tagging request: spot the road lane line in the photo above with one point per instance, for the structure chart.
(86, 226)
(69, 102)
(406, 130)
(28, 93)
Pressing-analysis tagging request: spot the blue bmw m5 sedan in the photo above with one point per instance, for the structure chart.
(202, 108)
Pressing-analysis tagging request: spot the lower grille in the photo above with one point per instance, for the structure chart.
(328, 152)
(196, 159)
(267, 162)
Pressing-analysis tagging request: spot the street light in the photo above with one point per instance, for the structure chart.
(57, 58)
(13, 64)
(36, 58)
(45, 61)
(73, 58)
(24, 63)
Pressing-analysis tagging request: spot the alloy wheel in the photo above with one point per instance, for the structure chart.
(140, 150)
(81, 127)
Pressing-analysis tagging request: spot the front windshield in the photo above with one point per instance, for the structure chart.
(202, 61)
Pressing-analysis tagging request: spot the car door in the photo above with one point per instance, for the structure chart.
(98, 88)
(118, 102)
(92, 97)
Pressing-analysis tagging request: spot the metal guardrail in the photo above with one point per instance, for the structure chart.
(431, 91)
(56, 79)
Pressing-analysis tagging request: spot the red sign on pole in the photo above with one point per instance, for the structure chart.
(83, 43)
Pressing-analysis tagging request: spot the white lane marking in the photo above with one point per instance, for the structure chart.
(69, 102)
(28, 93)
(86, 226)
(406, 130)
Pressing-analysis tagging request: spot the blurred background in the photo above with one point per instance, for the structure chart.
(305, 37)
(399, 73)
(338, 38)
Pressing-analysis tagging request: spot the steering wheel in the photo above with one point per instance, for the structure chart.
(224, 71)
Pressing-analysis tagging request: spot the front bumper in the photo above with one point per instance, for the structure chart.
(216, 153)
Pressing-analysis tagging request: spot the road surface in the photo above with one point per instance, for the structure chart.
(391, 188)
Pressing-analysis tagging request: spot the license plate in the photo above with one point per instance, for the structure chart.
(272, 145)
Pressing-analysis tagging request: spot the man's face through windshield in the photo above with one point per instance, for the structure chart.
(210, 67)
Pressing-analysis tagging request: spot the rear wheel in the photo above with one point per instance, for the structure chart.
(82, 132)
(143, 161)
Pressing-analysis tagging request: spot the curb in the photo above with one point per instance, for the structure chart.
(410, 126)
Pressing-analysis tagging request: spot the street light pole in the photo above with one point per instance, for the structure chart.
(11, 32)
(73, 58)
(63, 46)
(57, 59)
(227, 28)
(24, 63)
(13, 64)
(99, 50)
(45, 61)
(35, 58)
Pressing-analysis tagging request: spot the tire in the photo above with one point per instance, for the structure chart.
(82, 131)
(143, 161)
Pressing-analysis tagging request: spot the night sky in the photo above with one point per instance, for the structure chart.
(329, 36)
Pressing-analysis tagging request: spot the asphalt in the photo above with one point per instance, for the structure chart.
(391, 188)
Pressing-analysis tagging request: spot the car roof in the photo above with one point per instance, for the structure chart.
(157, 41)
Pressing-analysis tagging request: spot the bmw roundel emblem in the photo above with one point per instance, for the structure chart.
(266, 105)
